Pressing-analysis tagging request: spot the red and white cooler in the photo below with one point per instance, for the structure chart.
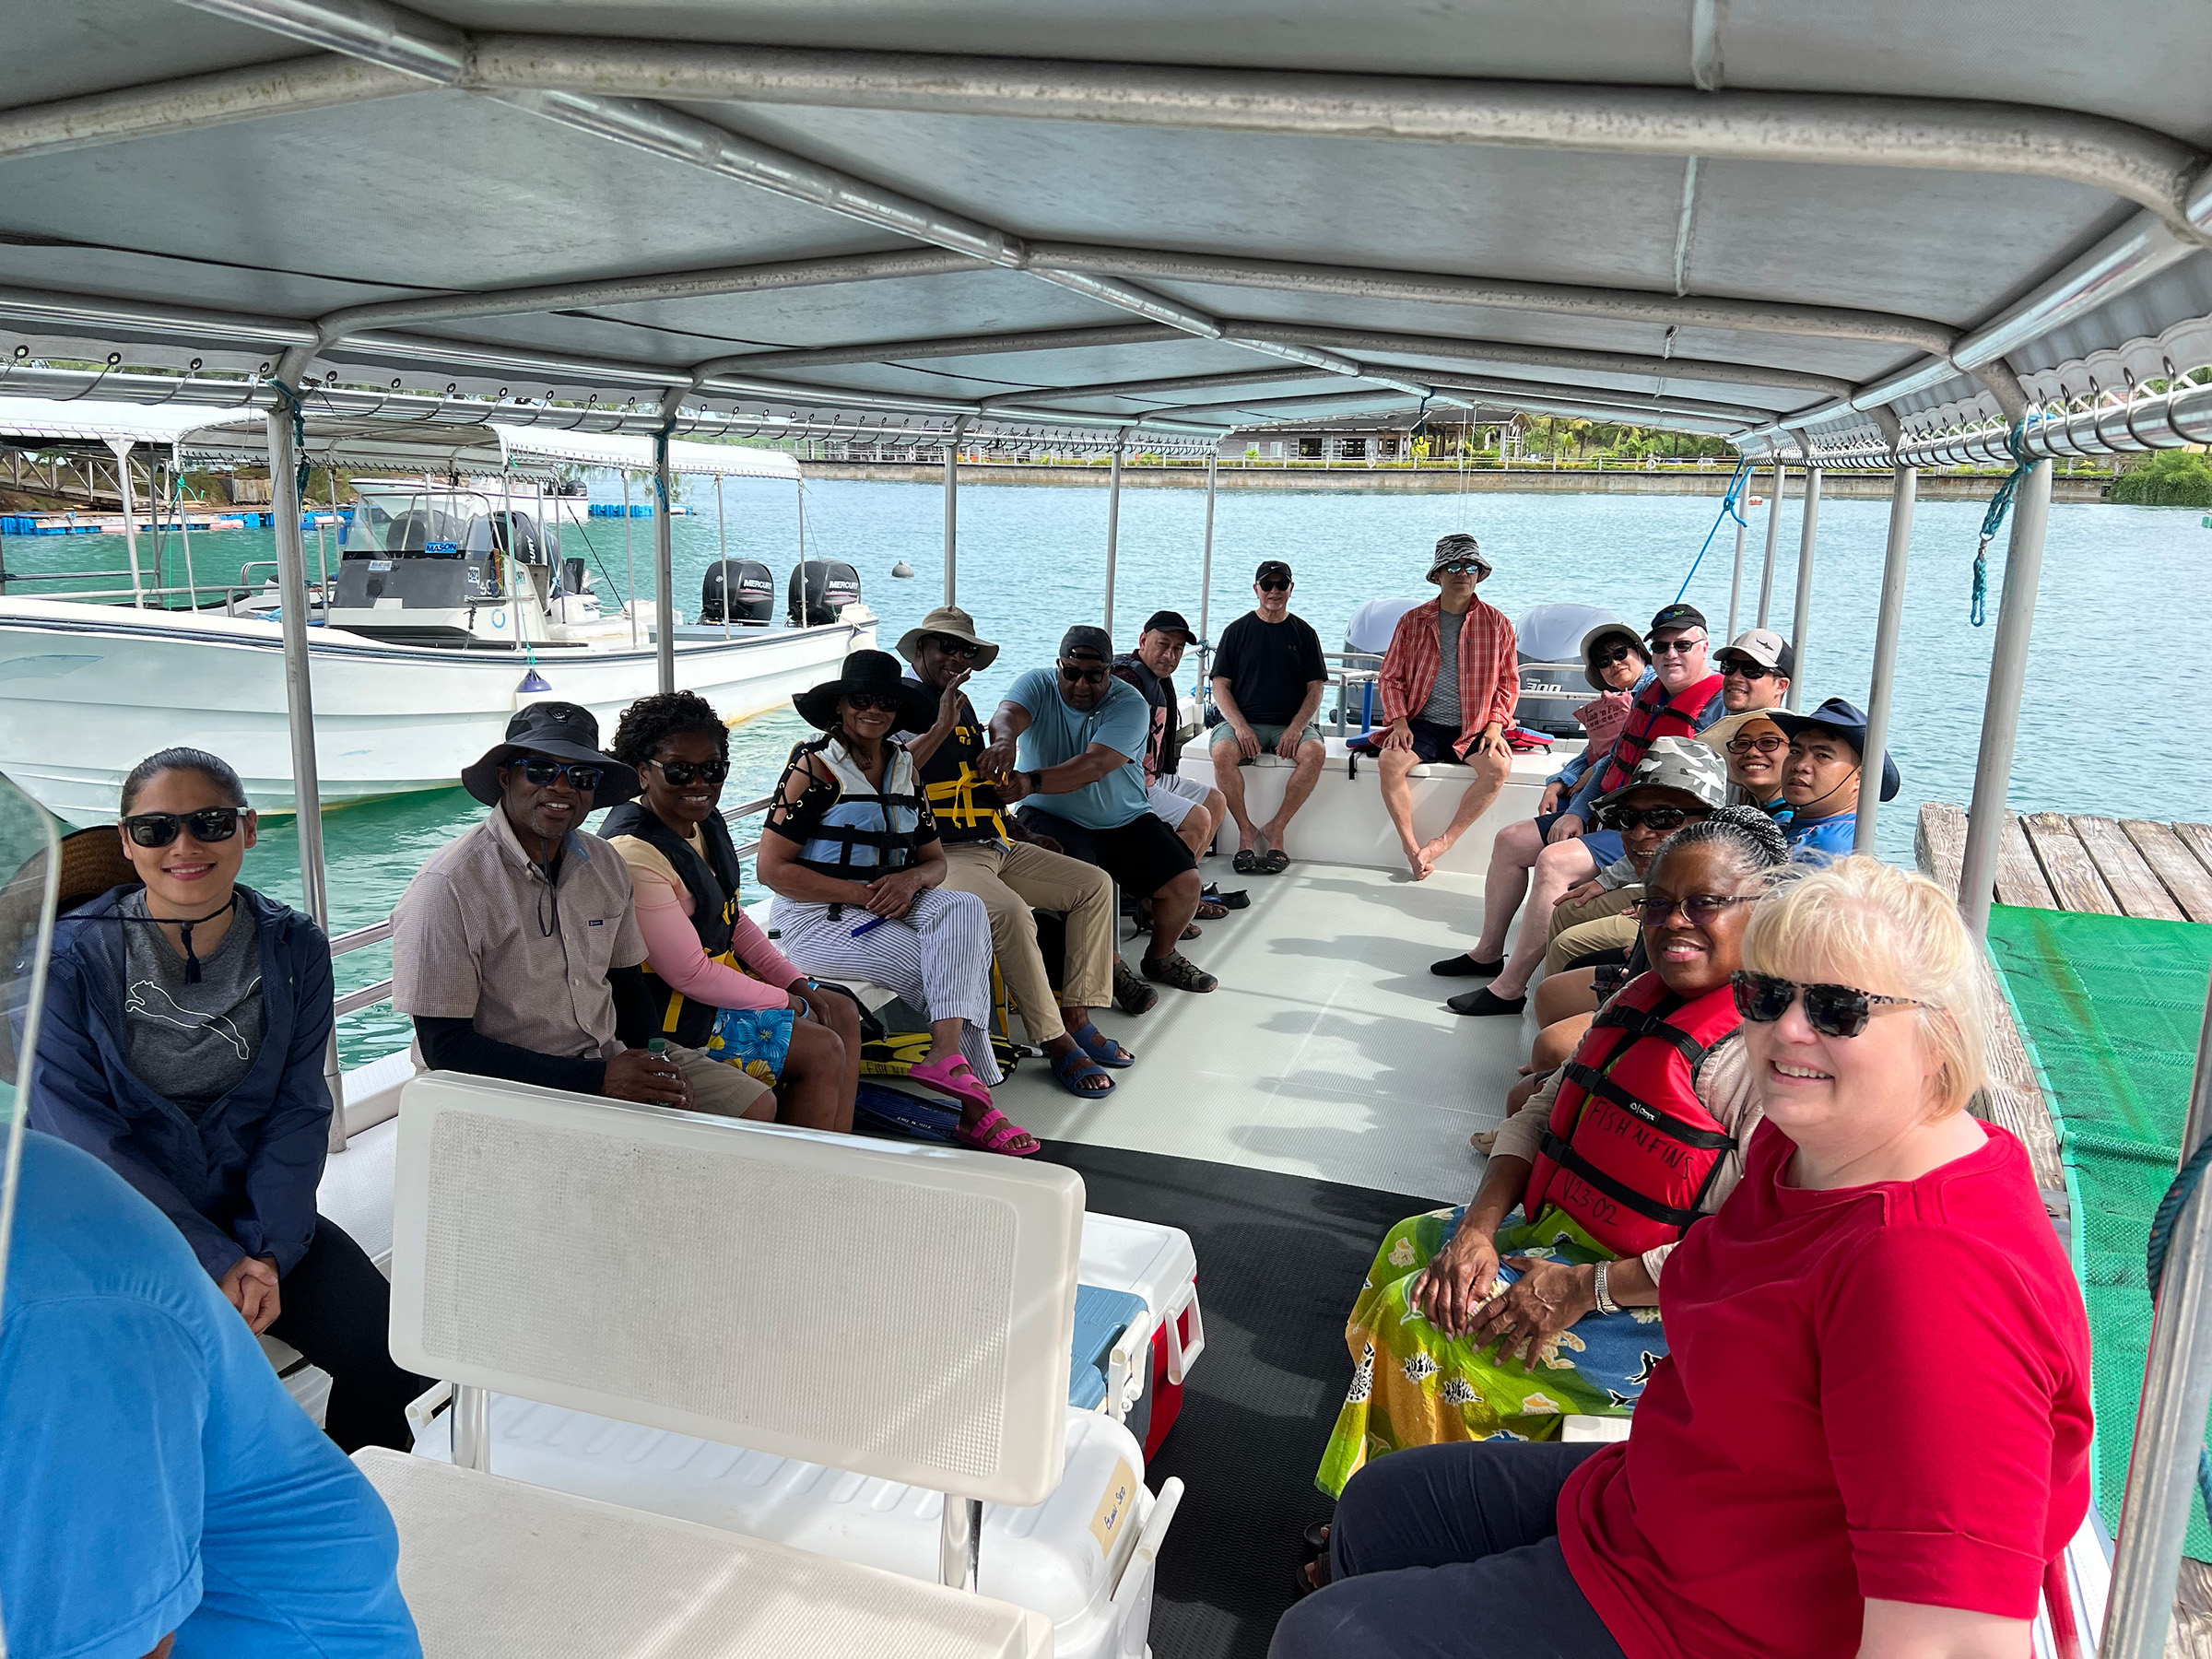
(1152, 1357)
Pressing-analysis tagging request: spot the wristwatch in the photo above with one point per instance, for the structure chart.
(1606, 1304)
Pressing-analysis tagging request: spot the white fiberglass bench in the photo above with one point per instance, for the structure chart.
(680, 1273)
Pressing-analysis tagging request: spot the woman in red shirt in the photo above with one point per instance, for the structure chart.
(1872, 1431)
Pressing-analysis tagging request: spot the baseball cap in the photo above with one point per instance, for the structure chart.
(1272, 567)
(1765, 647)
(1086, 641)
(1167, 621)
(1677, 616)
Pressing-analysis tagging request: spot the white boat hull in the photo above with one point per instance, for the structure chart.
(89, 690)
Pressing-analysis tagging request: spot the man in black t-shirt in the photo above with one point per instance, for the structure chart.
(1269, 676)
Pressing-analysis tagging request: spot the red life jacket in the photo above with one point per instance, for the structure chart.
(1650, 719)
(1631, 1150)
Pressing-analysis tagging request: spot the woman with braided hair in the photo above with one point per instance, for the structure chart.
(1539, 1299)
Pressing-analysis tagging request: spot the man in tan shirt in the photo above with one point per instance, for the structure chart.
(512, 945)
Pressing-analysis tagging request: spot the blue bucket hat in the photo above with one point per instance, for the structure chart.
(1847, 722)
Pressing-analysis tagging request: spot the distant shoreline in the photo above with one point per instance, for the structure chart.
(1835, 484)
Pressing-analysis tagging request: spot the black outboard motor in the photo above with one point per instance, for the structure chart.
(743, 589)
(819, 589)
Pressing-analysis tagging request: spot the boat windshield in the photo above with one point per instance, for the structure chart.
(444, 524)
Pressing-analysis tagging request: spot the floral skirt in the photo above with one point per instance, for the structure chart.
(1412, 1385)
(756, 1041)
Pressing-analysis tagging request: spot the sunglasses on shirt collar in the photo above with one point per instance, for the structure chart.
(209, 824)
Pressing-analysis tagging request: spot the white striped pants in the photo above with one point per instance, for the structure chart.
(937, 959)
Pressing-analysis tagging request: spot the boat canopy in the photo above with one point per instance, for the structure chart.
(635, 454)
(85, 420)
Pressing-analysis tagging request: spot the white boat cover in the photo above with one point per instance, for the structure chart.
(118, 422)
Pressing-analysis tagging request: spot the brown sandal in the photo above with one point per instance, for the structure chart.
(1179, 971)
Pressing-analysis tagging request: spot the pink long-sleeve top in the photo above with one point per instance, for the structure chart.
(672, 948)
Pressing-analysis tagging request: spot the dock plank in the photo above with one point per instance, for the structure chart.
(2168, 856)
(2020, 879)
(1939, 844)
(2068, 866)
(2125, 871)
(2197, 838)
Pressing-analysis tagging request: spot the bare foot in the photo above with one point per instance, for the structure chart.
(1418, 861)
(1431, 852)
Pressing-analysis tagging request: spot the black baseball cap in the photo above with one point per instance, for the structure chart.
(1166, 621)
(1086, 641)
(1272, 567)
(1677, 616)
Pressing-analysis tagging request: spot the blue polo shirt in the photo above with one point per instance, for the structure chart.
(1821, 840)
(1058, 733)
(155, 1475)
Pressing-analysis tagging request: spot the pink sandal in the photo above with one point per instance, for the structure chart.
(996, 1132)
(955, 1077)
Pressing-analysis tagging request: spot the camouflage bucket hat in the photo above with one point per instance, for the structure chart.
(1679, 763)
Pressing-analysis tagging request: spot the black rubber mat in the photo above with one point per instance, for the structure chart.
(1281, 1260)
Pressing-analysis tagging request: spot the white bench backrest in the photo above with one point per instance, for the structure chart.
(896, 1311)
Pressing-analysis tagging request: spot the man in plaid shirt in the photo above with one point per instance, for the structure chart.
(1450, 682)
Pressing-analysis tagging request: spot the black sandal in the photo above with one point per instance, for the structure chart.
(1246, 861)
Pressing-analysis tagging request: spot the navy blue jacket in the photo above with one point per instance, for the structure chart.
(241, 1180)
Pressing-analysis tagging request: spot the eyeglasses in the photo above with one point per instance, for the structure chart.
(681, 773)
(1620, 654)
(951, 647)
(1747, 668)
(1832, 1010)
(863, 703)
(1662, 818)
(1458, 566)
(208, 825)
(1703, 909)
(1683, 646)
(1773, 743)
(541, 773)
(1086, 677)
(1274, 584)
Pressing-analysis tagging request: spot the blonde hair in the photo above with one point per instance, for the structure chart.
(1861, 922)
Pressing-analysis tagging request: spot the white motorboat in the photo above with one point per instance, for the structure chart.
(449, 605)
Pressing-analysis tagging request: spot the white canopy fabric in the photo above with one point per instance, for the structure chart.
(112, 422)
(635, 454)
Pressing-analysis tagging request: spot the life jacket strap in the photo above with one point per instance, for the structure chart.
(1567, 1158)
(1643, 1112)
(1652, 1022)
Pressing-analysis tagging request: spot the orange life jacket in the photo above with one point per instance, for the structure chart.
(1631, 1150)
(1650, 719)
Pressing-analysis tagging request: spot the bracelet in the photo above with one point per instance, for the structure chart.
(1606, 1304)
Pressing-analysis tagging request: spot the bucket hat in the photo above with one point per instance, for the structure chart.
(1720, 732)
(955, 624)
(1678, 763)
(1848, 722)
(560, 731)
(1450, 550)
(1597, 636)
(869, 673)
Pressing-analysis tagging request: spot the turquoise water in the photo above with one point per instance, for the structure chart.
(2121, 643)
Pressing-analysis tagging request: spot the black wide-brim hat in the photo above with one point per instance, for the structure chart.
(558, 731)
(870, 674)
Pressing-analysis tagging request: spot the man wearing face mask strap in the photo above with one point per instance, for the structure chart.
(1820, 780)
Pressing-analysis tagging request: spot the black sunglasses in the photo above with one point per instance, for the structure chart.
(1682, 646)
(1747, 668)
(1088, 677)
(1620, 654)
(951, 647)
(861, 702)
(1832, 1010)
(680, 773)
(541, 773)
(1662, 818)
(209, 824)
(1274, 584)
(1703, 909)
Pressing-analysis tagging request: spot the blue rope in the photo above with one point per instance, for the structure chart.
(1993, 520)
(2161, 1235)
(1728, 511)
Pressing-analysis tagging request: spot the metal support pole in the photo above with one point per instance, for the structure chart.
(959, 1543)
(2170, 1423)
(1114, 528)
(1766, 575)
(176, 489)
(629, 553)
(721, 531)
(2001, 714)
(1736, 583)
(121, 446)
(323, 541)
(1801, 618)
(472, 1428)
(952, 510)
(1881, 694)
(1206, 580)
(663, 559)
(299, 710)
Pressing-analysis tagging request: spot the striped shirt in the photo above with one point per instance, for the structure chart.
(1489, 668)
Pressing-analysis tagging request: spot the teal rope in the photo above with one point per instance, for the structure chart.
(2161, 1236)
(1994, 520)
(1728, 511)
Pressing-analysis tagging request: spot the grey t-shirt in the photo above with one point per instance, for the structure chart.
(191, 1043)
(1442, 707)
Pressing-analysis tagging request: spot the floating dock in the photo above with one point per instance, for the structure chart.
(111, 524)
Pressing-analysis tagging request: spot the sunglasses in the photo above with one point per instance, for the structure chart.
(1662, 818)
(951, 647)
(680, 773)
(1462, 567)
(541, 774)
(1757, 746)
(863, 703)
(1620, 654)
(208, 825)
(1681, 646)
(1703, 909)
(1745, 668)
(1086, 676)
(1832, 1010)
(1273, 586)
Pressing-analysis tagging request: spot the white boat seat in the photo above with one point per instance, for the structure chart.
(591, 1580)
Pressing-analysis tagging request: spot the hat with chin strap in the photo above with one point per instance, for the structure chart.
(1846, 720)
(558, 731)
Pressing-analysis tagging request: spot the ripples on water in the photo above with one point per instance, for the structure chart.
(2121, 639)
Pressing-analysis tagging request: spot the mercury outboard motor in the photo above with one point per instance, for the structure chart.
(742, 589)
(819, 589)
(1553, 682)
